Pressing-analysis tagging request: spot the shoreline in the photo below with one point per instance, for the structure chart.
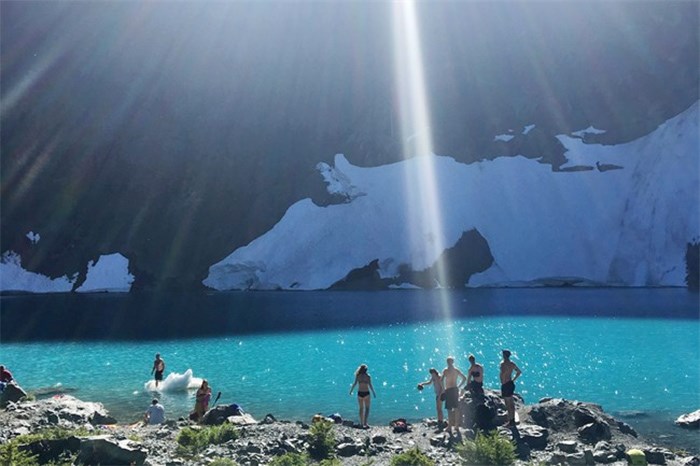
(550, 431)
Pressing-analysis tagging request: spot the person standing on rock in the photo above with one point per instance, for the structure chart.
(158, 369)
(449, 380)
(475, 377)
(508, 385)
(155, 414)
(436, 382)
(364, 384)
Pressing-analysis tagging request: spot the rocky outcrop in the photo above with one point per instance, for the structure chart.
(689, 420)
(106, 450)
(559, 442)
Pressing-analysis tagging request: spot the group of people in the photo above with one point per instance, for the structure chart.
(155, 414)
(447, 388)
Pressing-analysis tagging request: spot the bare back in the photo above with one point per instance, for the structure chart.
(507, 369)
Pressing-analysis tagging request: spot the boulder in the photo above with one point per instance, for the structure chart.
(48, 451)
(243, 419)
(348, 449)
(218, 415)
(12, 394)
(483, 411)
(101, 419)
(534, 436)
(567, 446)
(689, 420)
(626, 428)
(594, 432)
(106, 450)
(656, 455)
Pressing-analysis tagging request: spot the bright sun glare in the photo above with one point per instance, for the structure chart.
(422, 196)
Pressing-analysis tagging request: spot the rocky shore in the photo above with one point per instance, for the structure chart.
(552, 431)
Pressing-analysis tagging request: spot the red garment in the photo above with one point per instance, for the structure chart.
(5, 376)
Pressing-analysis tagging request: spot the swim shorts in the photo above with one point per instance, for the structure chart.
(476, 387)
(451, 398)
(507, 389)
(159, 375)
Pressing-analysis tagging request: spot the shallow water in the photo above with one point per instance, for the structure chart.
(642, 363)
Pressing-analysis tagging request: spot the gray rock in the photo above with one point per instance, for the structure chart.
(244, 419)
(106, 450)
(567, 446)
(12, 394)
(626, 429)
(269, 419)
(348, 449)
(534, 436)
(378, 439)
(656, 455)
(100, 419)
(576, 459)
(588, 456)
(594, 432)
(689, 420)
(690, 461)
(50, 450)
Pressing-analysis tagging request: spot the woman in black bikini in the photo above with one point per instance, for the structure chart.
(364, 385)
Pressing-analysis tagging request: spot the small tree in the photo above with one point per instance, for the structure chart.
(322, 440)
(413, 457)
(490, 449)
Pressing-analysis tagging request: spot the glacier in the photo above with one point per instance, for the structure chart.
(629, 226)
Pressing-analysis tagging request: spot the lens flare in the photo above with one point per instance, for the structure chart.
(421, 180)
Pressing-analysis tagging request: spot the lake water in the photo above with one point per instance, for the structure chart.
(293, 354)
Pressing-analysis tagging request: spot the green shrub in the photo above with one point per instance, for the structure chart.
(413, 457)
(52, 433)
(330, 462)
(491, 449)
(195, 440)
(322, 440)
(290, 459)
(223, 462)
(11, 455)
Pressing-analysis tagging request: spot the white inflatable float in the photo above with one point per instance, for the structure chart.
(174, 382)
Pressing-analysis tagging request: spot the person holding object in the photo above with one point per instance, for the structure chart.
(436, 382)
(202, 398)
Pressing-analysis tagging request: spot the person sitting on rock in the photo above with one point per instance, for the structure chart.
(155, 414)
(5, 378)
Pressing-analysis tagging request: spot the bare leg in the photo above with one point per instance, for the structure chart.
(367, 404)
(360, 403)
(438, 407)
(511, 408)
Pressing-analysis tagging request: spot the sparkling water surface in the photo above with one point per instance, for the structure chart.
(647, 364)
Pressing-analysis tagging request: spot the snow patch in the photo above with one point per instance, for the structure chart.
(33, 237)
(590, 130)
(108, 273)
(527, 129)
(13, 277)
(503, 137)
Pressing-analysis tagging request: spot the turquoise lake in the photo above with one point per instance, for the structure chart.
(614, 350)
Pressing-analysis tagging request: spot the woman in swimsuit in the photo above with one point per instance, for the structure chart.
(364, 385)
(436, 381)
(202, 400)
(475, 377)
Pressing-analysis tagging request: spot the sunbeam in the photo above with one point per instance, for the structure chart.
(423, 201)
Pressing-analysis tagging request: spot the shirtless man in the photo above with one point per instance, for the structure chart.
(158, 369)
(449, 380)
(475, 377)
(508, 385)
